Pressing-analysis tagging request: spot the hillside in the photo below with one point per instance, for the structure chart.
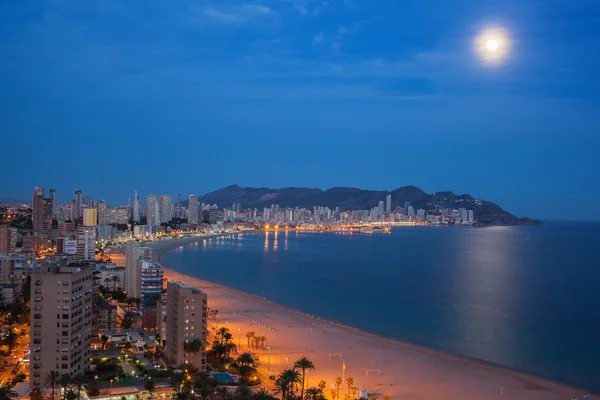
(357, 199)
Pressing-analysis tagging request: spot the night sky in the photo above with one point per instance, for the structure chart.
(168, 96)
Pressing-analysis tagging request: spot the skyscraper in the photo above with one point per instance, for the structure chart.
(134, 255)
(61, 302)
(166, 208)
(42, 214)
(192, 209)
(136, 206)
(8, 239)
(90, 217)
(86, 243)
(78, 203)
(388, 203)
(179, 200)
(186, 322)
(152, 210)
(53, 198)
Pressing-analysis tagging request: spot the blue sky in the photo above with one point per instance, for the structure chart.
(168, 96)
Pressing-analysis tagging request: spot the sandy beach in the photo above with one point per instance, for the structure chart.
(383, 366)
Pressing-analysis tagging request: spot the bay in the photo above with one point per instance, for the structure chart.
(527, 298)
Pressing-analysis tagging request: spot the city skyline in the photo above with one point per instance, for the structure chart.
(365, 94)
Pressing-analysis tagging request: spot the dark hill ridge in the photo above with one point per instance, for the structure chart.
(357, 199)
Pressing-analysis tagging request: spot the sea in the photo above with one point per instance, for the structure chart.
(526, 298)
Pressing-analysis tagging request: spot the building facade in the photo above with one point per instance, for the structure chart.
(135, 254)
(186, 322)
(192, 217)
(8, 239)
(86, 243)
(90, 217)
(61, 313)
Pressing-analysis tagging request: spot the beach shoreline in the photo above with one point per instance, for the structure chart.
(399, 369)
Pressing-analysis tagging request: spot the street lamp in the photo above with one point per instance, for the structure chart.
(239, 338)
(269, 360)
(110, 389)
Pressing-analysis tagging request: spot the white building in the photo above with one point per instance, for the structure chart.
(152, 210)
(143, 230)
(192, 217)
(104, 233)
(86, 243)
(388, 203)
(136, 206)
(166, 208)
(135, 253)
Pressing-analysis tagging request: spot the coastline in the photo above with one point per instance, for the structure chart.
(397, 369)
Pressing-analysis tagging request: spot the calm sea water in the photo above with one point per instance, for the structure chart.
(527, 298)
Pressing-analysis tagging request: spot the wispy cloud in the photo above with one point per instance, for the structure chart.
(230, 15)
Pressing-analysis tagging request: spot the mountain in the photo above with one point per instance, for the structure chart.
(346, 198)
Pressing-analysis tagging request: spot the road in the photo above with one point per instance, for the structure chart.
(19, 353)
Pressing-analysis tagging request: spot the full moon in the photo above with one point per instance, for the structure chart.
(492, 46)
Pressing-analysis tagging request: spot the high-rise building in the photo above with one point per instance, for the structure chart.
(90, 217)
(61, 303)
(8, 239)
(152, 281)
(86, 243)
(66, 229)
(41, 214)
(78, 200)
(192, 209)
(179, 200)
(388, 203)
(136, 206)
(152, 210)
(134, 255)
(102, 207)
(186, 323)
(53, 199)
(470, 217)
(166, 208)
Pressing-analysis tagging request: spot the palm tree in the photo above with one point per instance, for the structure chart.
(286, 382)
(338, 382)
(77, 381)
(6, 393)
(221, 333)
(107, 281)
(149, 386)
(177, 380)
(245, 359)
(242, 392)
(184, 394)
(64, 380)
(314, 393)
(230, 348)
(70, 394)
(227, 337)
(322, 385)
(221, 393)
(249, 335)
(51, 381)
(263, 394)
(115, 280)
(350, 383)
(304, 364)
(104, 339)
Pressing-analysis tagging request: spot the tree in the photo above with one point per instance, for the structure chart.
(128, 320)
(338, 382)
(230, 348)
(184, 394)
(304, 364)
(51, 381)
(78, 381)
(36, 394)
(150, 385)
(115, 280)
(242, 392)
(221, 393)
(70, 394)
(263, 394)
(249, 336)
(104, 339)
(322, 384)
(221, 332)
(314, 393)
(64, 380)
(245, 359)
(286, 383)
(107, 281)
(177, 380)
(350, 383)
(6, 393)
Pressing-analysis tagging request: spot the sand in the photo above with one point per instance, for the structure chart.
(383, 366)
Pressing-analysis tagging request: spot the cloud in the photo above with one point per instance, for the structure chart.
(319, 38)
(231, 15)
